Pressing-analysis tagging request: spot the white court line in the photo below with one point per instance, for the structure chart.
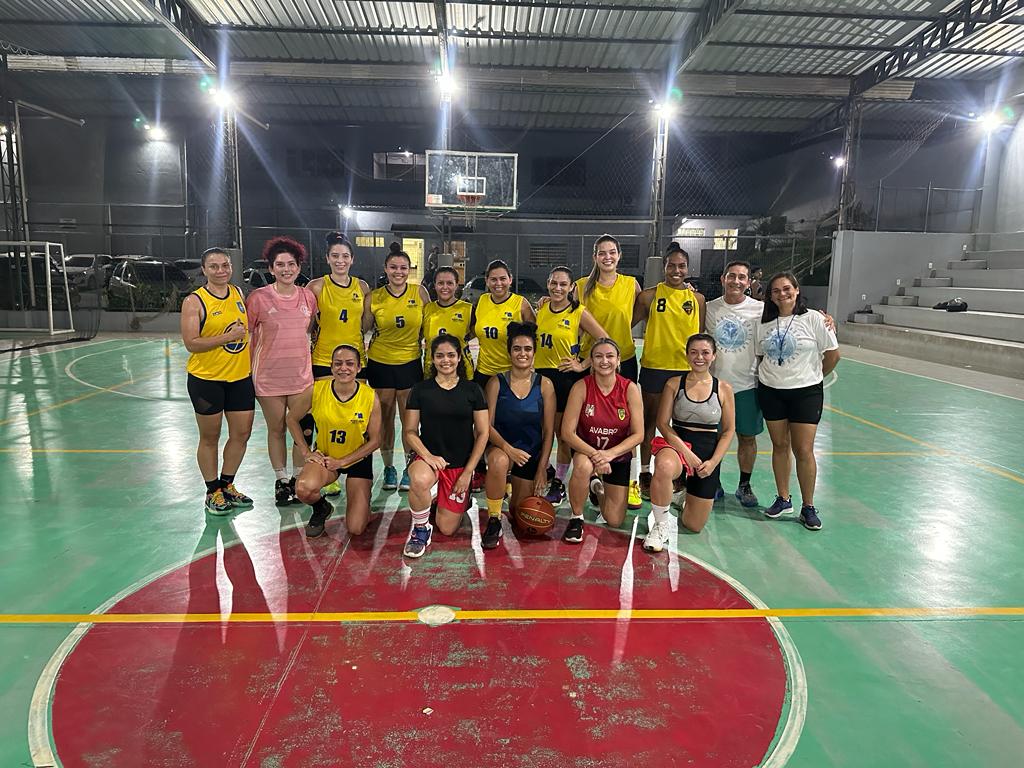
(940, 381)
(70, 375)
(69, 347)
(625, 599)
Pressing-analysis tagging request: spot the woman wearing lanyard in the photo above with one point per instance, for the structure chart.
(796, 350)
(446, 314)
(521, 405)
(560, 321)
(609, 297)
(280, 317)
(395, 312)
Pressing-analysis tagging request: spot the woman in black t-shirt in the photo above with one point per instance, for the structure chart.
(446, 426)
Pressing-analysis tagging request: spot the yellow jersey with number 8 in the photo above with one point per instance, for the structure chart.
(673, 318)
(341, 424)
(453, 319)
(397, 320)
(558, 335)
(339, 319)
(228, 362)
(612, 307)
(492, 331)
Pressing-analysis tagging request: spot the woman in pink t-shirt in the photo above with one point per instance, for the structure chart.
(280, 316)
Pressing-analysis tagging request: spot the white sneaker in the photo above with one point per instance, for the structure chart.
(657, 538)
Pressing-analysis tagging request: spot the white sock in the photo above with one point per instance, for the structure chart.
(634, 466)
(296, 470)
(660, 513)
(280, 474)
(421, 516)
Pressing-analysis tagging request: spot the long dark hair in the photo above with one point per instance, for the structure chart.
(595, 272)
(395, 249)
(573, 300)
(771, 309)
(447, 338)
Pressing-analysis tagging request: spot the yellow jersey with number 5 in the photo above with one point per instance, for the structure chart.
(492, 331)
(339, 319)
(453, 319)
(397, 322)
(341, 424)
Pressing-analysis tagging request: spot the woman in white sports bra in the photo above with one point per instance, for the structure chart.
(696, 418)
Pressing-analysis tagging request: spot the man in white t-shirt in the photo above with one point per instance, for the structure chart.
(733, 320)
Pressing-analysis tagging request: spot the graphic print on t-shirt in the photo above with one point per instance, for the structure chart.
(730, 334)
(780, 346)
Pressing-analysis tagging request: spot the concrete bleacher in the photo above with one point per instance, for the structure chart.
(988, 336)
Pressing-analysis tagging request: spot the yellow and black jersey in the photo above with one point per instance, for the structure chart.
(228, 362)
(453, 319)
(492, 331)
(341, 425)
(673, 318)
(339, 319)
(397, 322)
(558, 335)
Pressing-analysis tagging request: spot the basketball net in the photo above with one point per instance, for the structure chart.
(470, 204)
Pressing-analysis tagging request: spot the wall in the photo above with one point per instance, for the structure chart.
(1010, 199)
(866, 265)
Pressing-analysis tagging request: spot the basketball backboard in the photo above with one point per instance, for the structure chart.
(489, 179)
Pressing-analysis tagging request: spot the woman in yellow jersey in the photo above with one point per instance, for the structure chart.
(674, 312)
(340, 298)
(560, 321)
(491, 316)
(214, 328)
(395, 312)
(446, 315)
(610, 296)
(348, 421)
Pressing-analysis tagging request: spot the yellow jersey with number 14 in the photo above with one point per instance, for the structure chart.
(492, 331)
(673, 318)
(612, 307)
(228, 362)
(341, 425)
(339, 319)
(558, 335)
(453, 319)
(397, 320)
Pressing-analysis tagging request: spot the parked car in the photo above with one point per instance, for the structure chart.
(148, 285)
(192, 268)
(527, 287)
(12, 298)
(89, 270)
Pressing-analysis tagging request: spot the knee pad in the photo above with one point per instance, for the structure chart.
(308, 428)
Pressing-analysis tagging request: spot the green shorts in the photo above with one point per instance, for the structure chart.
(748, 414)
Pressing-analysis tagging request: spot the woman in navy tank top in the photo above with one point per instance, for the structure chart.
(521, 403)
(603, 423)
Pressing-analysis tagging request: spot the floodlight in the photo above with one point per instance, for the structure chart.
(663, 109)
(839, 161)
(156, 133)
(989, 122)
(347, 211)
(222, 98)
(447, 85)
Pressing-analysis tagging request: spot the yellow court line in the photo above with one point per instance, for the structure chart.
(79, 398)
(78, 450)
(572, 614)
(941, 451)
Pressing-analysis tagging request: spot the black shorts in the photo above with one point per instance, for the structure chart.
(529, 470)
(402, 376)
(321, 371)
(630, 368)
(362, 469)
(211, 397)
(800, 406)
(703, 444)
(619, 474)
(653, 380)
(481, 379)
(562, 382)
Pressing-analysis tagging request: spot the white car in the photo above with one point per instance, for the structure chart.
(89, 270)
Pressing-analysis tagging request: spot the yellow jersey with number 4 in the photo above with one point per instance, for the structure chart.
(339, 319)
(492, 331)
(397, 320)
(341, 425)
(673, 318)
(453, 319)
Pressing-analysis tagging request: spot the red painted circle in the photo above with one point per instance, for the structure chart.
(544, 693)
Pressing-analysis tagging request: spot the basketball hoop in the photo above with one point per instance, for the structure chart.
(470, 203)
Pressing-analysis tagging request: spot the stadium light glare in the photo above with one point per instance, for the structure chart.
(347, 211)
(839, 161)
(222, 97)
(663, 110)
(990, 121)
(447, 85)
(156, 133)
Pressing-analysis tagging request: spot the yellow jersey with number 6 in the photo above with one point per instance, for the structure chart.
(397, 322)
(341, 425)
(492, 331)
(673, 318)
(453, 319)
(339, 319)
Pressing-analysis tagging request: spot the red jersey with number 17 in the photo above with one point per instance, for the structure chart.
(604, 420)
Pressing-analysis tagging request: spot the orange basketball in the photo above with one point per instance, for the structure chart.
(535, 516)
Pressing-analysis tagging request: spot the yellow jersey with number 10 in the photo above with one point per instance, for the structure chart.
(453, 319)
(612, 307)
(558, 335)
(673, 318)
(492, 331)
(397, 320)
(341, 424)
(339, 319)
(228, 362)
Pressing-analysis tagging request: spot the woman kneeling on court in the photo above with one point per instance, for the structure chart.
(696, 418)
(446, 427)
(603, 423)
(521, 405)
(348, 420)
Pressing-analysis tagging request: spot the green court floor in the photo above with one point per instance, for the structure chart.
(920, 489)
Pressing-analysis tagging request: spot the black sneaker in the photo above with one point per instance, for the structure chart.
(573, 531)
(284, 494)
(809, 518)
(492, 535)
(556, 491)
(315, 526)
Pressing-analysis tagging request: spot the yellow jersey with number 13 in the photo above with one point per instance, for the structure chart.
(341, 424)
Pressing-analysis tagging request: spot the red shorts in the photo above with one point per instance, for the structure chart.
(446, 479)
(659, 442)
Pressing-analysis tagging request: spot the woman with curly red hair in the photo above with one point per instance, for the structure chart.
(280, 319)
